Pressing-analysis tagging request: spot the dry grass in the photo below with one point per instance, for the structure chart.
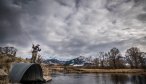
(3, 77)
(84, 70)
(6, 61)
(3, 81)
(113, 70)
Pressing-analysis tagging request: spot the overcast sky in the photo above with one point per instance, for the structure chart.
(70, 28)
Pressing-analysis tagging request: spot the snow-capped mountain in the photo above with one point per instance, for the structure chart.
(81, 60)
(54, 61)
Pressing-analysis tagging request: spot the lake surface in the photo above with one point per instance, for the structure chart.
(97, 79)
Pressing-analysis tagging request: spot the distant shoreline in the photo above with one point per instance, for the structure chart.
(113, 70)
(84, 70)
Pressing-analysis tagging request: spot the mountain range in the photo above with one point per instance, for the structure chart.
(76, 61)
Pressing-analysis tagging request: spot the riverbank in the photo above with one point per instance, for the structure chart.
(113, 70)
(107, 71)
(85, 70)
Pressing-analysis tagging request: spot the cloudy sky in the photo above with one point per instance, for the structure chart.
(70, 28)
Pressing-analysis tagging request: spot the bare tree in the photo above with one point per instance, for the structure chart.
(134, 56)
(141, 59)
(101, 57)
(113, 55)
(104, 59)
(96, 61)
(11, 51)
(120, 62)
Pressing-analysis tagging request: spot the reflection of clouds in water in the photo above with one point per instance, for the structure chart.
(99, 79)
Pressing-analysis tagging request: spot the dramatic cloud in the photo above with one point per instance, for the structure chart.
(68, 28)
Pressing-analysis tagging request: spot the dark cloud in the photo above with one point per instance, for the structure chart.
(72, 27)
(112, 5)
(77, 3)
(9, 20)
(142, 17)
(144, 8)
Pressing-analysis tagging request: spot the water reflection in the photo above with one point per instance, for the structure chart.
(139, 79)
(119, 78)
(97, 79)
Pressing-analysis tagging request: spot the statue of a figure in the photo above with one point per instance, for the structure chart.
(39, 59)
(35, 51)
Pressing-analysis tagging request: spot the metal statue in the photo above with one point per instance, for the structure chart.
(35, 51)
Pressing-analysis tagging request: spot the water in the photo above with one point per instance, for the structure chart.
(98, 79)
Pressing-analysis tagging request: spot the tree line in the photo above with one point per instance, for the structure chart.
(133, 58)
(10, 51)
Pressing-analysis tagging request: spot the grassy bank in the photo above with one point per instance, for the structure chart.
(113, 70)
(85, 70)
